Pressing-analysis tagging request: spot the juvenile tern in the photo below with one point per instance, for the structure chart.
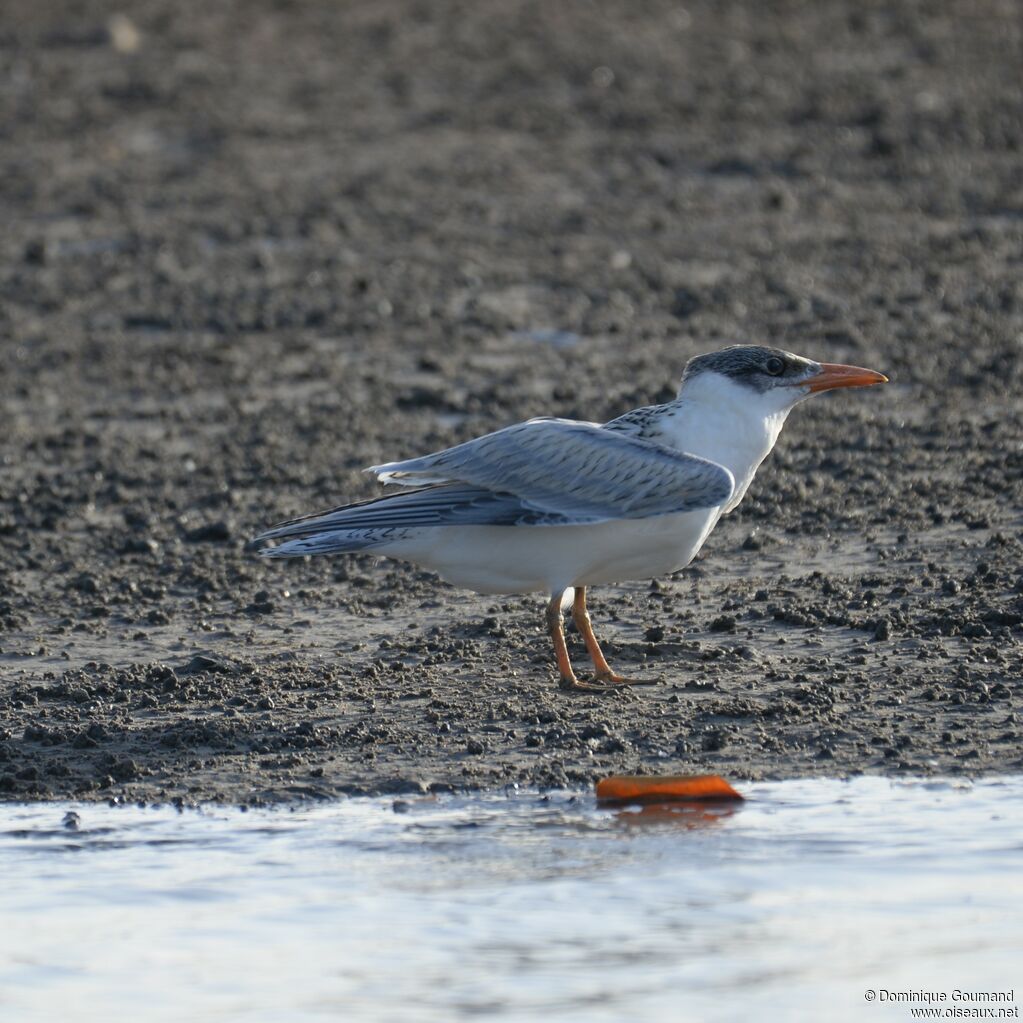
(556, 504)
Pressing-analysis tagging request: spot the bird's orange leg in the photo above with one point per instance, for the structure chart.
(601, 669)
(556, 629)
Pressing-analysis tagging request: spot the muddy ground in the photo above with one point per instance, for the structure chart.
(252, 247)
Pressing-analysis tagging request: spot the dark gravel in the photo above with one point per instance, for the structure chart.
(249, 248)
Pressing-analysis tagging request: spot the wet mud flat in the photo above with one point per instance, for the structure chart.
(252, 249)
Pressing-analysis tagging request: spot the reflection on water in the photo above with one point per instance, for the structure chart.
(789, 906)
(688, 816)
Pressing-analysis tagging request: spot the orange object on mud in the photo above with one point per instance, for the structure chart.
(641, 789)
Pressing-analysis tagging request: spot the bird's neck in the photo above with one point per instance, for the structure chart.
(727, 423)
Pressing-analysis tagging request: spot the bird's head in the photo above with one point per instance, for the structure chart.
(769, 379)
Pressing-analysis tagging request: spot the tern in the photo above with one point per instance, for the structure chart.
(559, 505)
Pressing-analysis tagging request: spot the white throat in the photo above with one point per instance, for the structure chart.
(716, 418)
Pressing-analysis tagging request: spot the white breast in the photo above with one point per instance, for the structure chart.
(727, 423)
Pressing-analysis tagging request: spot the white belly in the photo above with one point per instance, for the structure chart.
(522, 559)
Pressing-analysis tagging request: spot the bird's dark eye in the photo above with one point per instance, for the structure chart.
(774, 366)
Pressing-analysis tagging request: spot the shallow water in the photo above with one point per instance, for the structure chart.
(516, 907)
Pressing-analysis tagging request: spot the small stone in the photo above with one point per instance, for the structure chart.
(34, 252)
(211, 532)
(125, 770)
(140, 545)
(85, 583)
(711, 742)
(202, 662)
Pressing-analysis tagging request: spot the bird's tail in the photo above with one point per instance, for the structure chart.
(323, 543)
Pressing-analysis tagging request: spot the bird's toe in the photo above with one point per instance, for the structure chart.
(583, 685)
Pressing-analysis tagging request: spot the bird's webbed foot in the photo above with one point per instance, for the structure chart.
(602, 682)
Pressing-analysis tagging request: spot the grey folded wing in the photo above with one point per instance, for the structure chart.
(546, 472)
(574, 470)
(444, 505)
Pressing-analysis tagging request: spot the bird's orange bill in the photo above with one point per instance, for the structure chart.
(640, 789)
(834, 374)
